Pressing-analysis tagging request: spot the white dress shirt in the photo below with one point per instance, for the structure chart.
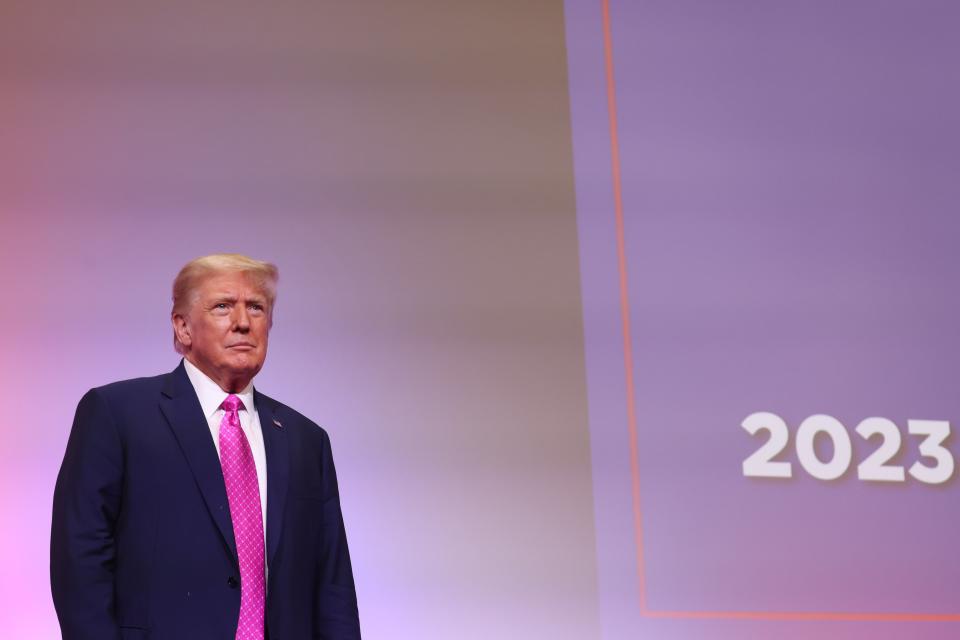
(211, 396)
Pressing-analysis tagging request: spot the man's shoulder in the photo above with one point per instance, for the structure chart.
(122, 398)
(288, 416)
(132, 391)
(133, 386)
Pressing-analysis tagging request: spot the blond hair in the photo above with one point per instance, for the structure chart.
(187, 283)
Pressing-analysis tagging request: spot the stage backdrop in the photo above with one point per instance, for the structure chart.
(627, 319)
(408, 166)
(767, 203)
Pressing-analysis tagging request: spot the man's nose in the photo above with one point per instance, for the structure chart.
(241, 318)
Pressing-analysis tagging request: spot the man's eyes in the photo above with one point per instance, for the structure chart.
(253, 306)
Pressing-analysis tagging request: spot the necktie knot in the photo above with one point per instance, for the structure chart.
(232, 403)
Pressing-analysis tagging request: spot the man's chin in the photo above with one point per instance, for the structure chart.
(245, 363)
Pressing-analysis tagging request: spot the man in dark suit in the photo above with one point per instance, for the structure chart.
(190, 505)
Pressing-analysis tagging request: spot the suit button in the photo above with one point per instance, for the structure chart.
(232, 582)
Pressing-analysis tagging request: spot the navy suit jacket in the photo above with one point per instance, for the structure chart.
(142, 542)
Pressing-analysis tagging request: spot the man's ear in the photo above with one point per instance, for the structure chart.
(181, 328)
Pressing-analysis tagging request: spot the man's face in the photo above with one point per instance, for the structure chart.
(225, 331)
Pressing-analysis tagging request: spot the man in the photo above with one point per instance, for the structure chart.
(190, 505)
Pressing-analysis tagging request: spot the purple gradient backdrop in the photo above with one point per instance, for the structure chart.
(789, 188)
(408, 166)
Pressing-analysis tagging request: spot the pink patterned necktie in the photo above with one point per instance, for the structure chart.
(243, 494)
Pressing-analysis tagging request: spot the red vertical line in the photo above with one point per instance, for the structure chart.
(624, 299)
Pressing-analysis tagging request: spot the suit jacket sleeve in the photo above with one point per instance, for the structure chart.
(86, 505)
(337, 615)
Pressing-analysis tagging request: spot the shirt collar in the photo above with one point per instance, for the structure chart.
(210, 394)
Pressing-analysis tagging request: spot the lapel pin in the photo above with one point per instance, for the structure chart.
(277, 424)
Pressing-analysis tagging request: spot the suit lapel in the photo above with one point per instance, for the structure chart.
(182, 410)
(278, 469)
